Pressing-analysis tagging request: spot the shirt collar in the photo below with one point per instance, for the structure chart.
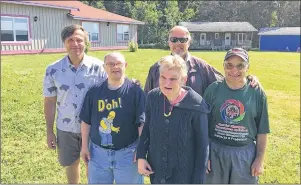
(85, 62)
(188, 59)
(189, 63)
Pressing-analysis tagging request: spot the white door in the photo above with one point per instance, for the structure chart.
(227, 39)
(203, 39)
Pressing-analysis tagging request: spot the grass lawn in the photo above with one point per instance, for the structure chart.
(26, 159)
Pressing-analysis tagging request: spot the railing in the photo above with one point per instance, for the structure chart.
(220, 44)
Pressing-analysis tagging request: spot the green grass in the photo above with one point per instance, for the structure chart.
(26, 159)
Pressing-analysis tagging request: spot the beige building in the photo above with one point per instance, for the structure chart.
(29, 27)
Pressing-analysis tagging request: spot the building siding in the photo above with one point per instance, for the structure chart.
(279, 42)
(220, 42)
(108, 35)
(45, 32)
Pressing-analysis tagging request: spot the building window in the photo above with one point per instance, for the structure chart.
(240, 38)
(216, 35)
(93, 30)
(123, 32)
(14, 29)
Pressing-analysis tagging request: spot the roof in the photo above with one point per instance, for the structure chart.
(81, 11)
(280, 31)
(53, 4)
(219, 26)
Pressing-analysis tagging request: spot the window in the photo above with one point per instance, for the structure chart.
(240, 38)
(93, 30)
(14, 29)
(123, 32)
(216, 35)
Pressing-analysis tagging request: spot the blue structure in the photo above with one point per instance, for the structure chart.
(279, 39)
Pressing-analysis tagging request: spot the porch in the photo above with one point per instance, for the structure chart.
(221, 44)
(221, 41)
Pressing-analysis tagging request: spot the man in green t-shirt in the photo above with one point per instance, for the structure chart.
(238, 124)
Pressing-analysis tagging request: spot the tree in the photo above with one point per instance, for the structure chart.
(160, 16)
(146, 11)
(95, 4)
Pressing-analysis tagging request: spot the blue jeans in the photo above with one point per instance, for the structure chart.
(107, 165)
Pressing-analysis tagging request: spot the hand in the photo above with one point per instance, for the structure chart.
(137, 82)
(144, 168)
(115, 129)
(208, 170)
(51, 140)
(254, 81)
(85, 154)
(257, 167)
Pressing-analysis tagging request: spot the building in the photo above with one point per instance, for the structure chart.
(279, 39)
(220, 35)
(35, 26)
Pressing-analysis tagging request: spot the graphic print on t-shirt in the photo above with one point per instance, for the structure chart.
(232, 113)
(106, 127)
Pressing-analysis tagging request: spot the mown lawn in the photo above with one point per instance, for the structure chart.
(26, 159)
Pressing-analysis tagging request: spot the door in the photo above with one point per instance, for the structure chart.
(203, 39)
(227, 39)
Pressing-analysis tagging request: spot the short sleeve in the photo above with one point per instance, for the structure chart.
(140, 105)
(85, 113)
(49, 88)
(262, 118)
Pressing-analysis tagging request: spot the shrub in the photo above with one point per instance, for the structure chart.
(254, 49)
(160, 45)
(88, 46)
(133, 47)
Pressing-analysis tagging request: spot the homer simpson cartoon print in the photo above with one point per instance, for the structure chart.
(105, 129)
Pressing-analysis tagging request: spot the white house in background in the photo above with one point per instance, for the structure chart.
(35, 26)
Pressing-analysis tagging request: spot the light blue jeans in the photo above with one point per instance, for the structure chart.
(107, 165)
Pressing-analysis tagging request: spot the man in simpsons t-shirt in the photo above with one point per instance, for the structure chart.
(112, 117)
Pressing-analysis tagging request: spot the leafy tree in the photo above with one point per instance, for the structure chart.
(95, 4)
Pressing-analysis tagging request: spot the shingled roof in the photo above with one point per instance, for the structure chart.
(218, 26)
(280, 31)
(81, 11)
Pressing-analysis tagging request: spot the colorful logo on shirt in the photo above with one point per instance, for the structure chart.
(232, 111)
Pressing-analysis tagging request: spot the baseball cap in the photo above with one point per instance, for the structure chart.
(238, 52)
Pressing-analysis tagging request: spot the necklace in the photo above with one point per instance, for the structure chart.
(177, 100)
(170, 110)
(172, 104)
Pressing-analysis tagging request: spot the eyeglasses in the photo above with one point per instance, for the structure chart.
(176, 39)
(113, 64)
(240, 66)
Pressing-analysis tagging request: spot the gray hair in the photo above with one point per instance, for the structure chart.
(115, 54)
(69, 30)
(173, 62)
(181, 28)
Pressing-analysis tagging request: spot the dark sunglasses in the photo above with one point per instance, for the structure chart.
(176, 39)
(240, 66)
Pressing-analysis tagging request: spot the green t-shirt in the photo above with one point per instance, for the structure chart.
(237, 116)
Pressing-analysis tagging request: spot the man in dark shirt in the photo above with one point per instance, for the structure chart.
(112, 117)
(200, 74)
